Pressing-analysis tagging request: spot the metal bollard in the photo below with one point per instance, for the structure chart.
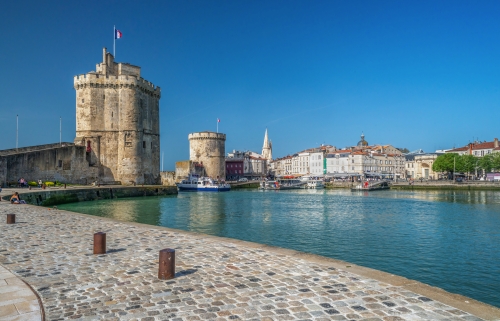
(64, 185)
(11, 218)
(100, 243)
(166, 268)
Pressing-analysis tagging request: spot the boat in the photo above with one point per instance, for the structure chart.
(375, 186)
(202, 184)
(282, 184)
(317, 183)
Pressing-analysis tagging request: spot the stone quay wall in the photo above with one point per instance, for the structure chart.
(209, 149)
(167, 178)
(50, 197)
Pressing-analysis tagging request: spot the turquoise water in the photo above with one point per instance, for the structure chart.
(446, 239)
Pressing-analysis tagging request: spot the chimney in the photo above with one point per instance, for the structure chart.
(495, 143)
(104, 55)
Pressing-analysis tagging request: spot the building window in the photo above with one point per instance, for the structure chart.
(60, 163)
(83, 100)
(143, 144)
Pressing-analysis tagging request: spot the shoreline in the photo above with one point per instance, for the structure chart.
(202, 242)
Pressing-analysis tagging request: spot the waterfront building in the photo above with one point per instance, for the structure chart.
(234, 168)
(337, 163)
(478, 149)
(281, 166)
(254, 165)
(311, 161)
(419, 165)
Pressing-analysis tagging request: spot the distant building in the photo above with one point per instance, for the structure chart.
(365, 161)
(419, 165)
(254, 165)
(281, 166)
(478, 149)
(234, 168)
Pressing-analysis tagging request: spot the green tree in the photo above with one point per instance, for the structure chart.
(486, 162)
(444, 163)
(467, 163)
(403, 150)
(495, 161)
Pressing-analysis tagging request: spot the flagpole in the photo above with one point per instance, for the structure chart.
(17, 130)
(60, 131)
(114, 40)
(217, 125)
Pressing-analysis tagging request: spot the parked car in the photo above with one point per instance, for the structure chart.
(459, 180)
(243, 179)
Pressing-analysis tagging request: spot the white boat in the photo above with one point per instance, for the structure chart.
(202, 184)
(282, 184)
(315, 184)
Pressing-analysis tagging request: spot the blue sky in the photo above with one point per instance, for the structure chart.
(421, 74)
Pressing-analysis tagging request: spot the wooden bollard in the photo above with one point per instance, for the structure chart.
(166, 268)
(11, 218)
(100, 243)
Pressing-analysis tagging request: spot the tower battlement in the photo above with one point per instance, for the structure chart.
(207, 135)
(101, 81)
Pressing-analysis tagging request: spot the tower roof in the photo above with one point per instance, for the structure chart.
(266, 141)
(362, 142)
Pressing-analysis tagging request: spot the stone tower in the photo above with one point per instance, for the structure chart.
(209, 148)
(267, 148)
(117, 119)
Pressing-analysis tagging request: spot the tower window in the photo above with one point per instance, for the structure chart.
(151, 145)
(111, 114)
(83, 100)
(143, 144)
(103, 96)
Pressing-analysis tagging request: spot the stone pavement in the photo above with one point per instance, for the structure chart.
(17, 300)
(216, 278)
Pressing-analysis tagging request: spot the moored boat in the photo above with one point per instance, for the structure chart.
(315, 184)
(366, 186)
(282, 184)
(203, 184)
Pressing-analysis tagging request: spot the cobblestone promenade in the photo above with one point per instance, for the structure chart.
(216, 278)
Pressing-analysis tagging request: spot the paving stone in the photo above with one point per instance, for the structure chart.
(215, 278)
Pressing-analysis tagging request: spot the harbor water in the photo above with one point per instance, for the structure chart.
(448, 239)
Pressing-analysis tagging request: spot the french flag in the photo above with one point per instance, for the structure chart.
(118, 34)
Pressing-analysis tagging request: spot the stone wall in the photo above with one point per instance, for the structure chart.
(167, 178)
(208, 149)
(50, 197)
(64, 164)
(12, 151)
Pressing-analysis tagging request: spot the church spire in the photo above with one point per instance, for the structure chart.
(267, 151)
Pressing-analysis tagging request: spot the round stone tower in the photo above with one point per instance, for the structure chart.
(209, 148)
